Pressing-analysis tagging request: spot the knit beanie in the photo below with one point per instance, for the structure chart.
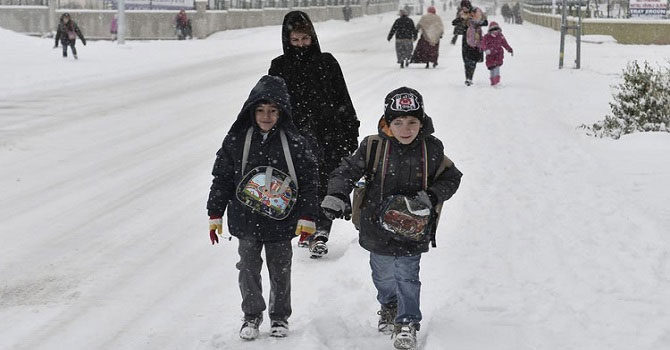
(403, 101)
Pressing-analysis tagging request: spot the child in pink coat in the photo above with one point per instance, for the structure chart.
(492, 44)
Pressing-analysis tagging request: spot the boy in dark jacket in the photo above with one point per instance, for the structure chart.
(67, 33)
(262, 139)
(405, 34)
(408, 166)
(322, 108)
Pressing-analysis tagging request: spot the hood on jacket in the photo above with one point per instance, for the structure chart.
(298, 19)
(268, 89)
(494, 26)
(426, 130)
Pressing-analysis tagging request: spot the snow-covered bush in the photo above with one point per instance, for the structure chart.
(642, 103)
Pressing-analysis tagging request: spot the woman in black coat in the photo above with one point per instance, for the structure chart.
(322, 108)
(470, 18)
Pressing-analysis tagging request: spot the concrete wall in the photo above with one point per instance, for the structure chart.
(625, 31)
(40, 20)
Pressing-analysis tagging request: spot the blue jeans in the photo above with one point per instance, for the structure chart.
(397, 279)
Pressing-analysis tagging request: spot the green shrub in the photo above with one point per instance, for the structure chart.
(642, 103)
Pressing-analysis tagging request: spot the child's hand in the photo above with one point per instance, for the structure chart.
(306, 226)
(215, 226)
(335, 208)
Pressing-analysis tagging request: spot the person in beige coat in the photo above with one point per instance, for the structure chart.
(428, 48)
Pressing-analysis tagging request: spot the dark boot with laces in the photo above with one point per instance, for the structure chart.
(404, 336)
(387, 317)
(278, 328)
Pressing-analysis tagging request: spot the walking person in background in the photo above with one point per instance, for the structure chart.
(473, 19)
(67, 34)
(428, 48)
(492, 45)
(265, 178)
(183, 26)
(322, 108)
(405, 35)
(416, 172)
(114, 27)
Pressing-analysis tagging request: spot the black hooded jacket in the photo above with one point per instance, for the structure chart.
(403, 176)
(242, 222)
(322, 108)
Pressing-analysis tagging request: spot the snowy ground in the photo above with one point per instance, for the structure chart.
(556, 240)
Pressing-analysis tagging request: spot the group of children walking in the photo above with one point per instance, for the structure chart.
(288, 165)
(468, 23)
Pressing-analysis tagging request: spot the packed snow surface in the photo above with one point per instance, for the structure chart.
(554, 241)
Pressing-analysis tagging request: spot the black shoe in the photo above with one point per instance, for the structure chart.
(387, 316)
(427, 65)
(249, 330)
(434, 64)
(279, 329)
(468, 82)
(402, 64)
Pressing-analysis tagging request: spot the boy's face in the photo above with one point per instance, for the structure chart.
(267, 115)
(299, 39)
(405, 128)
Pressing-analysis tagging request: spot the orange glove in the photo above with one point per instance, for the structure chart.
(306, 226)
(215, 226)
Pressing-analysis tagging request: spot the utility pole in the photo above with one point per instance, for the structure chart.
(578, 34)
(121, 35)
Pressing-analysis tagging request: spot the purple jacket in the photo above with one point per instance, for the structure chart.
(495, 41)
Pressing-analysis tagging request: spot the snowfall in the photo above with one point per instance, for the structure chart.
(556, 240)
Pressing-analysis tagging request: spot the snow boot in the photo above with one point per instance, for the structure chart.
(497, 78)
(468, 82)
(249, 330)
(279, 329)
(404, 336)
(387, 316)
(318, 248)
(427, 65)
(493, 81)
(402, 64)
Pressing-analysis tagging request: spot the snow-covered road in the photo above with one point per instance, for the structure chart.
(555, 240)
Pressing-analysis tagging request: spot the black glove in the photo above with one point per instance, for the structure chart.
(335, 207)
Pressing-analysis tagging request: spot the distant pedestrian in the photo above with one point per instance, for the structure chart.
(428, 48)
(405, 35)
(492, 44)
(67, 34)
(114, 28)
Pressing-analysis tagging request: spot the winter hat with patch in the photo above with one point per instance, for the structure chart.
(403, 101)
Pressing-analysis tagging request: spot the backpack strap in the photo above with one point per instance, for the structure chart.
(287, 153)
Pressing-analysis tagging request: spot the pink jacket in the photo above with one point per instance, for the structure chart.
(494, 41)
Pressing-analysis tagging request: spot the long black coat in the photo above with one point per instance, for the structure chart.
(62, 33)
(403, 28)
(242, 222)
(322, 108)
(403, 176)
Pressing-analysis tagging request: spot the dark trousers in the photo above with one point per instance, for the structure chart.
(65, 43)
(278, 255)
(470, 66)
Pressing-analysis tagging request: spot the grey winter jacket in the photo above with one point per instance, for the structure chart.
(242, 222)
(403, 176)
